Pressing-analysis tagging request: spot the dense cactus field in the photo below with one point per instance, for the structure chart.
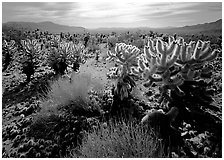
(111, 95)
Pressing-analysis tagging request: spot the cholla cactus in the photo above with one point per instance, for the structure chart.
(194, 57)
(158, 57)
(32, 49)
(67, 53)
(174, 62)
(76, 51)
(33, 57)
(126, 56)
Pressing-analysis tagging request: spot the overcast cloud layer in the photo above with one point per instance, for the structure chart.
(113, 14)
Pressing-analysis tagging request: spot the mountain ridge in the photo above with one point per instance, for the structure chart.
(43, 26)
(215, 26)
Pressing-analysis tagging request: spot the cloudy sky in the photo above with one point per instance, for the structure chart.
(132, 13)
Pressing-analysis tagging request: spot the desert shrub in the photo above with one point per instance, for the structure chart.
(72, 93)
(120, 140)
(63, 115)
(63, 92)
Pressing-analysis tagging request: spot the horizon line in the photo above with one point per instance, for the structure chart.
(112, 27)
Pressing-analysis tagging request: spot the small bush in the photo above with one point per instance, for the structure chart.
(69, 93)
(120, 140)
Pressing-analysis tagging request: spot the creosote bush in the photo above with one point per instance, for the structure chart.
(120, 140)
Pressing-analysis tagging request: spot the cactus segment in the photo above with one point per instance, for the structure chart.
(205, 53)
(206, 45)
(212, 56)
(170, 48)
(174, 57)
(183, 53)
(197, 52)
(141, 64)
(160, 47)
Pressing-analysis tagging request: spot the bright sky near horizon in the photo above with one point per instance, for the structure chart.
(94, 14)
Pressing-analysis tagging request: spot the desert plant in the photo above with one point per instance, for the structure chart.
(126, 56)
(30, 57)
(72, 96)
(76, 55)
(179, 68)
(120, 140)
(8, 50)
(174, 62)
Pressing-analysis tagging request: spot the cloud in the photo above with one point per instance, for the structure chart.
(130, 13)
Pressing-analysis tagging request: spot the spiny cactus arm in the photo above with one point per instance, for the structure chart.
(205, 53)
(183, 52)
(180, 40)
(141, 64)
(153, 66)
(171, 39)
(134, 53)
(211, 57)
(160, 47)
(146, 53)
(170, 62)
(197, 50)
(170, 47)
(189, 53)
(152, 48)
(111, 56)
(192, 44)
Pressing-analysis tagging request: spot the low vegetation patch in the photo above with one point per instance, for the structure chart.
(120, 140)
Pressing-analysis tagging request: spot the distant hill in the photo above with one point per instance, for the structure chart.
(43, 26)
(206, 28)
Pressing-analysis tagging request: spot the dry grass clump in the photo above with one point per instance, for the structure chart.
(120, 140)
